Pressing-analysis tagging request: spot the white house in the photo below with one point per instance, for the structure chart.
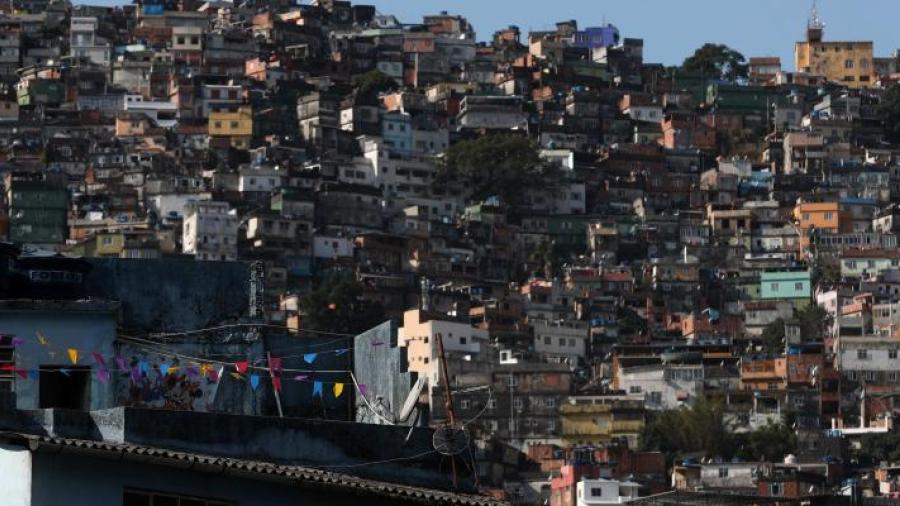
(601, 492)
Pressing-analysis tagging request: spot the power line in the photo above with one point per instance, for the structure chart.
(386, 461)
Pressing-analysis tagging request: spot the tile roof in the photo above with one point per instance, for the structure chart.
(300, 475)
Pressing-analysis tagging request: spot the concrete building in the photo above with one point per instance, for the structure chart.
(210, 231)
(460, 339)
(84, 42)
(599, 492)
(849, 63)
(37, 209)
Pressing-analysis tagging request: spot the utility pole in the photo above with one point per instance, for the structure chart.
(448, 401)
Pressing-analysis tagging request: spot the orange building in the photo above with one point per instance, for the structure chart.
(764, 373)
(824, 217)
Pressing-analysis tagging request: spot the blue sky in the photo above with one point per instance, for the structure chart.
(672, 29)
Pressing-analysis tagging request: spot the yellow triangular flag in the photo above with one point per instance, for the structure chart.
(204, 368)
(237, 376)
(338, 389)
(73, 355)
(41, 339)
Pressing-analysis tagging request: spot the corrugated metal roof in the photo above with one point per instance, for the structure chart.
(305, 476)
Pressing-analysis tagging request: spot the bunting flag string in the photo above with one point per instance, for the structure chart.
(195, 367)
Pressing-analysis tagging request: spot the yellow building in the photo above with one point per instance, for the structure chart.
(235, 123)
(848, 63)
(598, 420)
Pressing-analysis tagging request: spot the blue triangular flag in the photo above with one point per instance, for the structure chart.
(254, 381)
(317, 388)
(310, 357)
(144, 366)
(164, 369)
(33, 374)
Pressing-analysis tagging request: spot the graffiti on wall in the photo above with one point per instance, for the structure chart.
(152, 380)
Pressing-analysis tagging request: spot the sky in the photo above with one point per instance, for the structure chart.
(673, 29)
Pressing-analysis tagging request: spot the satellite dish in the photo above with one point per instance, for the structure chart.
(450, 441)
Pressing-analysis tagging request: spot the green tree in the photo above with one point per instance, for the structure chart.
(541, 260)
(374, 82)
(889, 113)
(770, 443)
(501, 164)
(773, 337)
(878, 448)
(718, 61)
(337, 305)
(700, 428)
(812, 319)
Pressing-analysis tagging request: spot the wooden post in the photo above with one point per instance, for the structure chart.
(272, 379)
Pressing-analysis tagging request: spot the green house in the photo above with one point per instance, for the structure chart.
(786, 285)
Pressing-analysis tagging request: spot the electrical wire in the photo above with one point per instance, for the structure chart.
(371, 408)
(230, 363)
(376, 462)
(485, 408)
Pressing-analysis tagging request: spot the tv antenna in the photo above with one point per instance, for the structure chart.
(452, 439)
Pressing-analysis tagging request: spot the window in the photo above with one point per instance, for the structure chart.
(829, 216)
(774, 287)
(798, 286)
(892, 354)
(892, 376)
(549, 402)
(862, 354)
(547, 340)
(596, 492)
(848, 64)
(492, 403)
(634, 389)
(142, 498)
(464, 404)
(870, 375)
(517, 403)
(775, 489)
(462, 340)
(511, 381)
(723, 472)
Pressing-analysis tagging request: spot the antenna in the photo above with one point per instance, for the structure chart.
(449, 440)
(814, 20)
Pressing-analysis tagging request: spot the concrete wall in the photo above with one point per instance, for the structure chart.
(383, 370)
(184, 388)
(171, 294)
(85, 326)
(296, 396)
(15, 480)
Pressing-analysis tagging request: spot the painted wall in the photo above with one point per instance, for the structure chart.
(86, 326)
(182, 386)
(15, 480)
